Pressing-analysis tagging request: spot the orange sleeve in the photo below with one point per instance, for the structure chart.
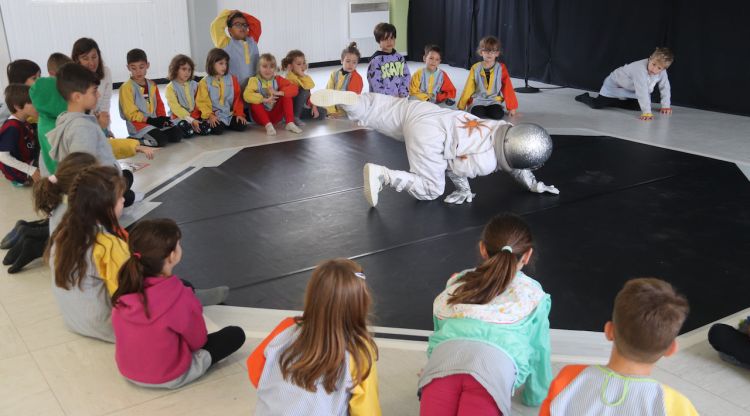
(160, 112)
(289, 89)
(564, 377)
(447, 90)
(257, 359)
(511, 103)
(254, 30)
(238, 108)
(355, 84)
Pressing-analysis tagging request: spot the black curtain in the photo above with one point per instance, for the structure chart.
(577, 43)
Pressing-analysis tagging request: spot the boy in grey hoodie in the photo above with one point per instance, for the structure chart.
(77, 131)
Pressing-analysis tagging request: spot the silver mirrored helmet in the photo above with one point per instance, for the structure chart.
(524, 146)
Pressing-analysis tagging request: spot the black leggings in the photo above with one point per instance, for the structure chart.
(494, 112)
(730, 341)
(234, 124)
(222, 343)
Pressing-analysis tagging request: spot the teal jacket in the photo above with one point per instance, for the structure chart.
(526, 342)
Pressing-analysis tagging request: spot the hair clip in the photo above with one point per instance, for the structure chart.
(52, 179)
(509, 249)
(137, 255)
(360, 275)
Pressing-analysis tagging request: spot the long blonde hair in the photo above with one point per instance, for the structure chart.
(337, 304)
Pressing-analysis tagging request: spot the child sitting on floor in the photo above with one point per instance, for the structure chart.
(646, 319)
(295, 65)
(20, 71)
(630, 86)
(219, 97)
(387, 72)
(346, 78)
(488, 85)
(270, 97)
(432, 83)
(160, 335)
(181, 92)
(322, 362)
(19, 149)
(241, 44)
(78, 131)
(49, 104)
(491, 331)
(141, 106)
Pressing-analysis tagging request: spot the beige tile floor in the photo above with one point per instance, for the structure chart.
(47, 370)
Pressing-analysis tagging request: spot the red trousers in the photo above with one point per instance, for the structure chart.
(457, 395)
(283, 108)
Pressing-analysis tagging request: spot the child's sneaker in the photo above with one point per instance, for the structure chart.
(299, 122)
(293, 128)
(270, 131)
(328, 98)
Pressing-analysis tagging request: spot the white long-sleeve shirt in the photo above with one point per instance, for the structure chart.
(105, 89)
(634, 81)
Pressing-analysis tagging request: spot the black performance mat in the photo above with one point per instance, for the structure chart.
(262, 220)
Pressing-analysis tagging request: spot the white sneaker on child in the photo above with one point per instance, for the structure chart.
(293, 128)
(375, 176)
(138, 196)
(328, 98)
(270, 131)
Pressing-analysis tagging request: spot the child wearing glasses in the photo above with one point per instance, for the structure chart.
(488, 85)
(241, 44)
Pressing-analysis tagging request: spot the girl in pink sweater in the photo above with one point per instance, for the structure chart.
(160, 335)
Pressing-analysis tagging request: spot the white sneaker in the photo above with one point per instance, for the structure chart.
(328, 98)
(270, 131)
(293, 128)
(375, 176)
(138, 196)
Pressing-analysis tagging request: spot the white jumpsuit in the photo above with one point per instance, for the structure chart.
(437, 139)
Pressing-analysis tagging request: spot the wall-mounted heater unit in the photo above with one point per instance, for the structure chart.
(362, 20)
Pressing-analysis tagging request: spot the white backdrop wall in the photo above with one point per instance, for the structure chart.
(318, 28)
(36, 28)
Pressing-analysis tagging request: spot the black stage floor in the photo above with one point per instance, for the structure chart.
(262, 220)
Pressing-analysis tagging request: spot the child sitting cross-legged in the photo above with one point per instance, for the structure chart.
(161, 339)
(141, 106)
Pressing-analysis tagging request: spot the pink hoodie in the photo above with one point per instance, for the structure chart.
(158, 349)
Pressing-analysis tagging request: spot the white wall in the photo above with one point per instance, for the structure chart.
(4, 57)
(318, 28)
(36, 28)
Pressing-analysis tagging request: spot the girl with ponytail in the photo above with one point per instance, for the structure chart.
(491, 331)
(87, 249)
(345, 78)
(161, 337)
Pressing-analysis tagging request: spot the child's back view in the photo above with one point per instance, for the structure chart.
(322, 363)
(491, 331)
(647, 316)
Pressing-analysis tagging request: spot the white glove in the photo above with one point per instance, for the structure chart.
(542, 188)
(463, 190)
(528, 180)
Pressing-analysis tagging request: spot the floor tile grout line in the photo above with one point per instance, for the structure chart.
(46, 380)
(709, 392)
(18, 333)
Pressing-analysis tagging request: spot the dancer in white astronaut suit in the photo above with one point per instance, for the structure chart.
(438, 140)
